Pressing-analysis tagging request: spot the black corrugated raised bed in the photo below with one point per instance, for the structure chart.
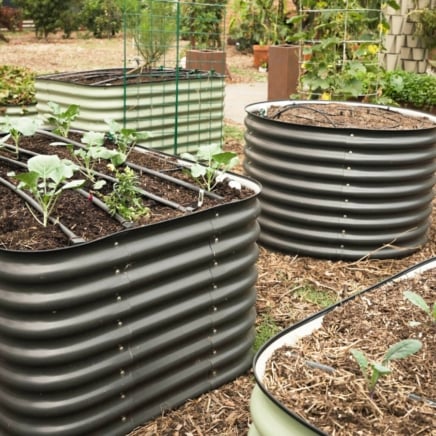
(340, 192)
(99, 336)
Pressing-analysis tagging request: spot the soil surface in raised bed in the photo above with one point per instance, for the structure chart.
(339, 402)
(336, 115)
(19, 230)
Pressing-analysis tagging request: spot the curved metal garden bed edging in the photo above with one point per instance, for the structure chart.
(182, 111)
(265, 408)
(341, 193)
(100, 337)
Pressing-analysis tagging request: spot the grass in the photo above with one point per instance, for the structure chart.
(265, 330)
(233, 132)
(315, 296)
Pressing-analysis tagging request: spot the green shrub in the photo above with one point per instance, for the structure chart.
(406, 88)
(103, 18)
(17, 85)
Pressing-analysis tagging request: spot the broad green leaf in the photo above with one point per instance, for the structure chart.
(402, 349)
(198, 170)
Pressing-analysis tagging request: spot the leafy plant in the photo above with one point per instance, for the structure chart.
(125, 198)
(17, 85)
(202, 23)
(46, 179)
(18, 127)
(407, 88)
(92, 152)
(62, 119)
(425, 26)
(102, 17)
(258, 22)
(125, 139)
(418, 301)
(210, 162)
(153, 26)
(372, 371)
(340, 45)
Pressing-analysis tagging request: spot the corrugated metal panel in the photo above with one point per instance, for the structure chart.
(100, 337)
(341, 194)
(182, 114)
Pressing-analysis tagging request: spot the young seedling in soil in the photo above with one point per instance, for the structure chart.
(93, 151)
(125, 198)
(418, 301)
(125, 139)
(61, 120)
(47, 178)
(372, 371)
(211, 163)
(15, 128)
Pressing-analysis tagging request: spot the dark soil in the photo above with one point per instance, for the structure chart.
(336, 115)
(19, 230)
(117, 76)
(339, 402)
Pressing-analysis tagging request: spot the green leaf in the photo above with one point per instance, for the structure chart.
(417, 300)
(381, 369)
(198, 171)
(360, 359)
(402, 349)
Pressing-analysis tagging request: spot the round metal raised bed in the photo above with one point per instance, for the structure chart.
(341, 193)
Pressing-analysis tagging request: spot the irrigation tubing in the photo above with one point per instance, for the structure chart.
(141, 191)
(145, 170)
(95, 200)
(72, 237)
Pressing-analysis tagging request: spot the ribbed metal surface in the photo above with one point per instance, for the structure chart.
(343, 193)
(98, 338)
(181, 114)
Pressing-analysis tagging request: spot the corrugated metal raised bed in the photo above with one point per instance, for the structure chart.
(341, 193)
(99, 337)
(182, 109)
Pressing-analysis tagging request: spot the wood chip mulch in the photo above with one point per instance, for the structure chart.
(281, 277)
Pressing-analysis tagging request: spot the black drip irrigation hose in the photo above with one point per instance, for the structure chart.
(92, 198)
(72, 237)
(293, 106)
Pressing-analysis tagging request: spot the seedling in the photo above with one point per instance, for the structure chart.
(15, 128)
(418, 301)
(372, 371)
(125, 198)
(62, 119)
(93, 151)
(125, 139)
(46, 179)
(210, 162)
